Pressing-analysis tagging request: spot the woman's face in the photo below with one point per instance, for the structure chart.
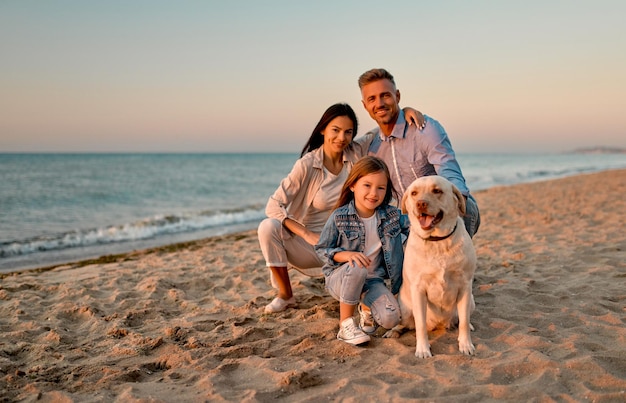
(338, 134)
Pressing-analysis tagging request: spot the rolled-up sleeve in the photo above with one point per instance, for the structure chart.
(288, 190)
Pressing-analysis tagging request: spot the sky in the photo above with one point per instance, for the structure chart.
(256, 75)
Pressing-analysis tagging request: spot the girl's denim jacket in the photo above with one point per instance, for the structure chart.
(344, 231)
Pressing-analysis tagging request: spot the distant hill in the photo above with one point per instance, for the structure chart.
(599, 150)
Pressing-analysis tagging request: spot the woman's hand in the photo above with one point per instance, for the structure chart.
(300, 230)
(311, 237)
(413, 116)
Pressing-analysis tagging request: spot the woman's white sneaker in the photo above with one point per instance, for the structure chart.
(278, 305)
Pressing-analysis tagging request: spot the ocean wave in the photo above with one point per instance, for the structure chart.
(139, 230)
(503, 175)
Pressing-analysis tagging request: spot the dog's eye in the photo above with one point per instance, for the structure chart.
(414, 193)
(437, 191)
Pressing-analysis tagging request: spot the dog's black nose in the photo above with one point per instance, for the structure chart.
(422, 204)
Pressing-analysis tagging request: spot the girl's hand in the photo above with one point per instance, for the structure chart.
(413, 116)
(357, 259)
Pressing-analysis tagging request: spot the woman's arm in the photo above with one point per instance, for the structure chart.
(300, 230)
(413, 116)
(288, 191)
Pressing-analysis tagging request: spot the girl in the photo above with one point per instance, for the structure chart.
(361, 245)
(299, 208)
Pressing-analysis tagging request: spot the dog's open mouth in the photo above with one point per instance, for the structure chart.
(428, 222)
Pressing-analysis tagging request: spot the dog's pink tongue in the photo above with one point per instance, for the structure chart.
(426, 221)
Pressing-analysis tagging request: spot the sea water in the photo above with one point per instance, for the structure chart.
(57, 208)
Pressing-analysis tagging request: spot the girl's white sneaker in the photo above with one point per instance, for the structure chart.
(351, 334)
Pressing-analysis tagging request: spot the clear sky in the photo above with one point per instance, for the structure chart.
(256, 75)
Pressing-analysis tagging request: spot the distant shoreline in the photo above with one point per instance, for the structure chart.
(598, 150)
(582, 150)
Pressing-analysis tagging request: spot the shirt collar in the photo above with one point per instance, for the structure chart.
(318, 156)
(399, 128)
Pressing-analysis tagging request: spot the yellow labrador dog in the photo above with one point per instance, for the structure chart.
(439, 264)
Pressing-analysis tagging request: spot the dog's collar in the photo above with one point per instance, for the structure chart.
(441, 238)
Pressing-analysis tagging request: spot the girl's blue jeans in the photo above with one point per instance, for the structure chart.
(349, 284)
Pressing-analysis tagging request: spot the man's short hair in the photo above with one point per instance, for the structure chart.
(374, 75)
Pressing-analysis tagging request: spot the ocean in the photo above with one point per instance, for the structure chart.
(57, 208)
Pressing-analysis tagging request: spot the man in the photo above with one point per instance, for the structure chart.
(409, 152)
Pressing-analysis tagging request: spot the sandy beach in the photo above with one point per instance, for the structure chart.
(185, 323)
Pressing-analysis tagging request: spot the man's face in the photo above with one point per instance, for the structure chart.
(380, 98)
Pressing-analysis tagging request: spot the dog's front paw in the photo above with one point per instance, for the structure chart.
(466, 347)
(423, 350)
(394, 332)
(391, 334)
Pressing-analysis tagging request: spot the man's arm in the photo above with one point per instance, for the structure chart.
(442, 156)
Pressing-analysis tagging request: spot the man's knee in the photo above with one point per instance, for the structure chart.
(472, 216)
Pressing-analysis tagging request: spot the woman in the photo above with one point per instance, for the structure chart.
(301, 205)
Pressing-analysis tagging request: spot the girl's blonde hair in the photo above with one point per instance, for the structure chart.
(365, 166)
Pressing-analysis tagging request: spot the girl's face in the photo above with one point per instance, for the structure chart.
(338, 134)
(369, 193)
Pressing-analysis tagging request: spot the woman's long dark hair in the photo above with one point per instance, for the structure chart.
(334, 111)
(365, 166)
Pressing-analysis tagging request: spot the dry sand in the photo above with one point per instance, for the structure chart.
(185, 323)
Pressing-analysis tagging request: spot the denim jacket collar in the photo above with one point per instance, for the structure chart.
(381, 213)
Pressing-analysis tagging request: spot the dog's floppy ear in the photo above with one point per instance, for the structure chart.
(460, 199)
(403, 203)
